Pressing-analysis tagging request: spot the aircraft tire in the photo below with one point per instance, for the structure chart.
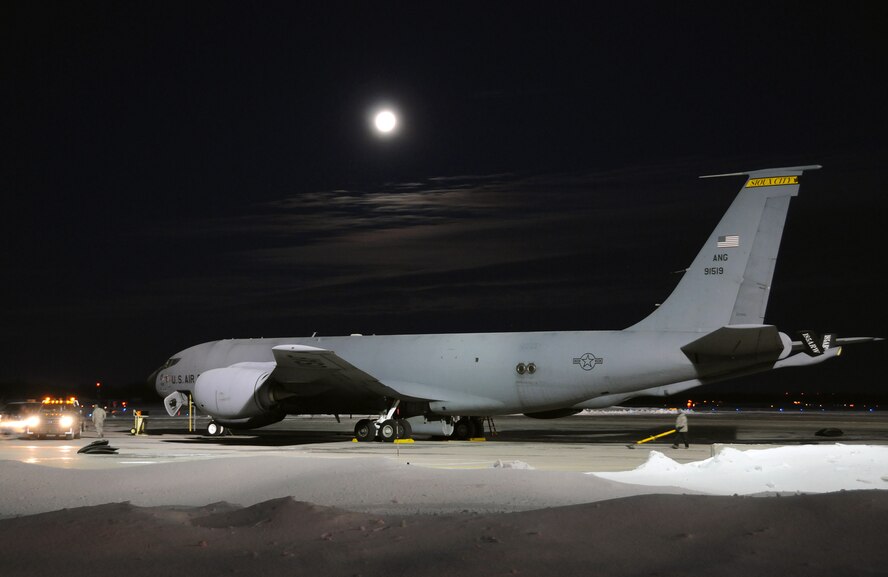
(365, 431)
(388, 431)
(405, 431)
(463, 429)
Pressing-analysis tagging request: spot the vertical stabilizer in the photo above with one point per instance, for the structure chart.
(730, 280)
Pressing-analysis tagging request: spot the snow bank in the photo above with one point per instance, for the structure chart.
(805, 469)
(500, 464)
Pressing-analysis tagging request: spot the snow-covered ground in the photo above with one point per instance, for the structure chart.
(274, 521)
(791, 469)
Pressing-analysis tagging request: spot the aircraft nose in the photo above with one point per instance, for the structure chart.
(152, 379)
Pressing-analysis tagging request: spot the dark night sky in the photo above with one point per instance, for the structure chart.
(181, 172)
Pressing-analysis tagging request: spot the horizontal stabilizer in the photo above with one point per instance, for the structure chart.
(737, 341)
(800, 360)
(815, 345)
(857, 340)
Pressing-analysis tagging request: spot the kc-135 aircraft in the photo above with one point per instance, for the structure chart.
(711, 328)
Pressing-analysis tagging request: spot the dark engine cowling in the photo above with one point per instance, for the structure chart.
(235, 392)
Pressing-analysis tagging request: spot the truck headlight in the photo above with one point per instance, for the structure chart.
(66, 421)
(32, 421)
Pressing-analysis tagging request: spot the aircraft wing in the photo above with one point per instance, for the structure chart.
(307, 370)
(302, 364)
(304, 369)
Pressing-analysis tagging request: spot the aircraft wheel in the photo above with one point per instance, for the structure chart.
(405, 431)
(215, 429)
(365, 431)
(388, 431)
(463, 429)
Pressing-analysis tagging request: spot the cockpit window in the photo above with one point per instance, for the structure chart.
(170, 363)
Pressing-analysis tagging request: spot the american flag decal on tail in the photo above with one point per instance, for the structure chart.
(729, 241)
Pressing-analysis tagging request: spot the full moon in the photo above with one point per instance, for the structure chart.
(385, 121)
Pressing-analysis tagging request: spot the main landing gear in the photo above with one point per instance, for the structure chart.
(388, 429)
(468, 428)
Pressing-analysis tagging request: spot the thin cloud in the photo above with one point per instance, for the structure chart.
(444, 243)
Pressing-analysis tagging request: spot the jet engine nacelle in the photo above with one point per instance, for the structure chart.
(240, 391)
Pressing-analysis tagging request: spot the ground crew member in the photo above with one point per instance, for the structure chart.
(681, 430)
(99, 420)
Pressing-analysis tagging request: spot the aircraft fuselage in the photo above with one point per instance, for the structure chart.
(484, 373)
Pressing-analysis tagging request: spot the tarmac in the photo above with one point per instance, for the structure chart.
(522, 465)
(301, 498)
(596, 442)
